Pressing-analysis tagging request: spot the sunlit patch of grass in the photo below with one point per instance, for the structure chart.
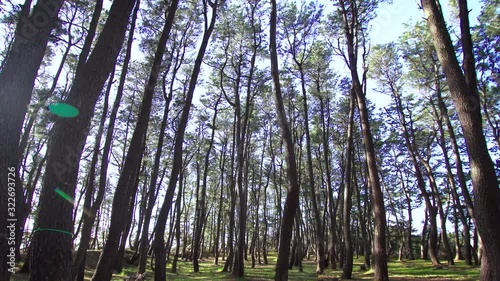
(425, 269)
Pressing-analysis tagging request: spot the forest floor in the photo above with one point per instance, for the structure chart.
(418, 270)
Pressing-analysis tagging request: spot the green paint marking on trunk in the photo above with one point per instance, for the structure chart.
(63, 194)
(63, 110)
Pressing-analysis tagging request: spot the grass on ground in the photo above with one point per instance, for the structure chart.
(398, 271)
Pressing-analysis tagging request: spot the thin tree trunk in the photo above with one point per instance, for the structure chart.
(439, 204)
(222, 165)
(200, 220)
(454, 193)
(152, 193)
(362, 222)
(178, 221)
(325, 123)
(232, 206)
(87, 216)
(424, 253)
(378, 208)
(159, 247)
(348, 249)
(79, 264)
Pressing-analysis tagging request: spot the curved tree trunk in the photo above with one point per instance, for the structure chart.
(159, 243)
(463, 88)
(292, 198)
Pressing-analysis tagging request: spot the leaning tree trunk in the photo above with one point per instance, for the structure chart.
(159, 241)
(454, 193)
(292, 198)
(79, 262)
(463, 89)
(17, 79)
(52, 243)
(320, 250)
(87, 216)
(127, 181)
(377, 198)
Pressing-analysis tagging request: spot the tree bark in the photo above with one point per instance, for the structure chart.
(222, 165)
(64, 151)
(17, 76)
(159, 243)
(463, 88)
(346, 227)
(292, 198)
(200, 220)
(126, 183)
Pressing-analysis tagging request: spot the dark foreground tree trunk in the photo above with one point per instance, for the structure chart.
(17, 78)
(52, 242)
(463, 90)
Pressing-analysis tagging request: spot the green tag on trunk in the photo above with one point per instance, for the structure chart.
(63, 110)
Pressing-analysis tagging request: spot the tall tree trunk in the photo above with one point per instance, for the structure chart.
(79, 262)
(222, 165)
(65, 149)
(87, 44)
(363, 214)
(409, 242)
(463, 88)
(87, 216)
(159, 243)
(346, 227)
(439, 205)
(228, 265)
(292, 198)
(152, 193)
(125, 188)
(453, 188)
(129, 216)
(325, 123)
(378, 208)
(178, 214)
(18, 75)
(264, 212)
(408, 134)
(461, 177)
(200, 220)
(320, 251)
